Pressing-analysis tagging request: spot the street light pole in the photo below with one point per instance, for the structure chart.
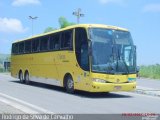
(78, 14)
(32, 19)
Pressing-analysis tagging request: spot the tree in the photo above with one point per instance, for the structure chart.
(49, 29)
(64, 23)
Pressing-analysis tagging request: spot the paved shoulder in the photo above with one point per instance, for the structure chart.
(150, 83)
(148, 87)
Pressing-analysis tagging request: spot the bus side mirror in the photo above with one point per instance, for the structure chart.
(137, 69)
(135, 48)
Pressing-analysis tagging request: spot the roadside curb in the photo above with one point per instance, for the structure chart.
(147, 91)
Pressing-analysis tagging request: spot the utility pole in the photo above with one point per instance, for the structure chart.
(32, 19)
(78, 14)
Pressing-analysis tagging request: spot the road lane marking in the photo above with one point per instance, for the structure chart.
(22, 105)
(18, 106)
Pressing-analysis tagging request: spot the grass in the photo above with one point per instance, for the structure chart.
(1, 69)
(150, 71)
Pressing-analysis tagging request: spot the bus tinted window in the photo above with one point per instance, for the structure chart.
(54, 43)
(15, 48)
(81, 45)
(66, 39)
(28, 46)
(44, 43)
(21, 47)
(35, 45)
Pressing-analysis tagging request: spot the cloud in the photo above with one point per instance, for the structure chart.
(111, 1)
(152, 8)
(25, 2)
(11, 25)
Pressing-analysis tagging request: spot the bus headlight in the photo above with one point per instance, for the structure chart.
(131, 79)
(99, 80)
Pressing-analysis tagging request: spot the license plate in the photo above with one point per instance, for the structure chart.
(117, 87)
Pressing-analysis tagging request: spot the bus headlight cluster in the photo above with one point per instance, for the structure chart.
(99, 80)
(131, 79)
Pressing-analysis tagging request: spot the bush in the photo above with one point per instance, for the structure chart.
(151, 71)
(2, 70)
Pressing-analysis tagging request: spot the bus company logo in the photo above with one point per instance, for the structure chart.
(117, 81)
(62, 56)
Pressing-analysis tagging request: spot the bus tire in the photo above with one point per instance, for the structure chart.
(21, 76)
(26, 77)
(69, 84)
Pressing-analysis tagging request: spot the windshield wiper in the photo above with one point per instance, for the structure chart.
(118, 58)
(115, 58)
(126, 66)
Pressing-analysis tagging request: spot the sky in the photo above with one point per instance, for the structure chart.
(141, 17)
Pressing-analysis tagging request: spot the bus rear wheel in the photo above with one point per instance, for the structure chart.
(69, 85)
(27, 78)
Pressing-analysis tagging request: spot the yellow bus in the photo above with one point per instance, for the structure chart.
(87, 57)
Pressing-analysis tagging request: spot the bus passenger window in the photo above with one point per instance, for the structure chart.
(28, 46)
(44, 43)
(15, 47)
(35, 45)
(54, 43)
(21, 47)
(66, 39)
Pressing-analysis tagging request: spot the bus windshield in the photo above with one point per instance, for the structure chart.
(113, 51)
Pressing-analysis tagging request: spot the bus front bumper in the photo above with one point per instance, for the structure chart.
(112, 87)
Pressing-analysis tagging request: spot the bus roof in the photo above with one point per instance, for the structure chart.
(75, 26)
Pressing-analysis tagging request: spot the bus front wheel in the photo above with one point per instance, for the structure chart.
(69, 84)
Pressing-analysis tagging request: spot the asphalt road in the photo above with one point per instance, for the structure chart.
(56, 100)
(150, 83)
